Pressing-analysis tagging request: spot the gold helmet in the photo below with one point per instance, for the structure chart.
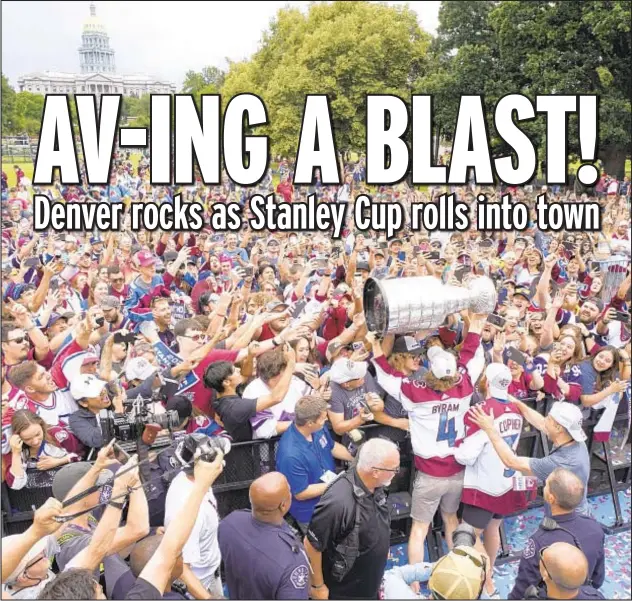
(458, 575)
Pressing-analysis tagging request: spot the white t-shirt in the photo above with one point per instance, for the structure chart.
(201, 551)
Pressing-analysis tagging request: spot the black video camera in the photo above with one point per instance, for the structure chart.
(130, 426)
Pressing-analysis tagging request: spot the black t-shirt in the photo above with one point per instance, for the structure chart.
(235, 413)
(144, 590)
(333, 519)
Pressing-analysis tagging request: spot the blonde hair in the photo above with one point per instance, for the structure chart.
(398, 360)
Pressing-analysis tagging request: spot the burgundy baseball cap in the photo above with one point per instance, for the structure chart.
(145, 258)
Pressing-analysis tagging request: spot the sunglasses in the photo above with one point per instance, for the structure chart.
(196, 337)
(19, 340)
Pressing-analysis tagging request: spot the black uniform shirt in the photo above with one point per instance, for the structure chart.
(590, 536)
(334, 518)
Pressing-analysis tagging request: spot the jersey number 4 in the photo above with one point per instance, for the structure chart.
(447, 429)
(510, 440)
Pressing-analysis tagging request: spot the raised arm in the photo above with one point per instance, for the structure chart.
(535, 418)
(43, 525)
(280, 390)
(542, 290)
(158, 569)
(101, 542)
(550, 323)
(23, 319)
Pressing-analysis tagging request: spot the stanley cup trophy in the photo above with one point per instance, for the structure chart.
(404, 305)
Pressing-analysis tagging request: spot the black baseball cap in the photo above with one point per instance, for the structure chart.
(180, 404)
(407, 344)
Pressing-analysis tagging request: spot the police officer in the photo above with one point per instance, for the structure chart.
(348, 537)
(262, 557)
(564, 492)
(563, 568)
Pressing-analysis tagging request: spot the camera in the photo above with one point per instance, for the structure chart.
(463, 536)
(208, 447)
(130, 426)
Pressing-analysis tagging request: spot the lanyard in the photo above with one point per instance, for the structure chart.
(561, 446)
(89, 491)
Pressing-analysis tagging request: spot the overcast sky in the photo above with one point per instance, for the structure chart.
(157, 38)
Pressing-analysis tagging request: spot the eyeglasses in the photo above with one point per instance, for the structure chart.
(195, 337)
(541, 553)
(18, 340)
(35, 560)
(388, 469)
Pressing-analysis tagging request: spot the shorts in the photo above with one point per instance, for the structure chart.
(429, 492)
(478, 517)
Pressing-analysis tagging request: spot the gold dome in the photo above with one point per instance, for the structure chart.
(93, 23)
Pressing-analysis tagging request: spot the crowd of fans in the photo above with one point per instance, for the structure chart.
(254, 335)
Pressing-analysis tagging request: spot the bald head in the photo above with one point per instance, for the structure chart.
(566, 564)
(142, 552)
(267, 494)
(566, 487)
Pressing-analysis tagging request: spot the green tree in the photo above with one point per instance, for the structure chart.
(210, 78)
(343, 49)
(8, 107)
(560, 47)
(28, 112)
(136, 110)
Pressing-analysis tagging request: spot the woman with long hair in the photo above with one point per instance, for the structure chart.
(32, 447)
(533, 267)
(98, 292)
(605, 373)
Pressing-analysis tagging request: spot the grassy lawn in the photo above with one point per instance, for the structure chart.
(26, 167)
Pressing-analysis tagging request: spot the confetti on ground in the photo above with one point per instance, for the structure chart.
(518, 529)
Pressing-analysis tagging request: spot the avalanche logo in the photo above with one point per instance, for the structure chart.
(504, 382)
(61, 435)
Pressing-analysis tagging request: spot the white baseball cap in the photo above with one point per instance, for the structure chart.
(498, 380)
(46, 545)
(139, 369)
(442, 363)
(570, 417)
(86, 386)
(345, 370)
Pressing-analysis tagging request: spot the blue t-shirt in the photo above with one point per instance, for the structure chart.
(303, 463)
(238, 252)
(573, 457)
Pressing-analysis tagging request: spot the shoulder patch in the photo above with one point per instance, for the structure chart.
(299, 577)
(529, 550)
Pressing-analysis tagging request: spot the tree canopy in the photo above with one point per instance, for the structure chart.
(343, 49)
(563, 47)
(350, 49)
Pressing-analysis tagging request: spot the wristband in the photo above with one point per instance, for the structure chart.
(275, 343)
(318, 585)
